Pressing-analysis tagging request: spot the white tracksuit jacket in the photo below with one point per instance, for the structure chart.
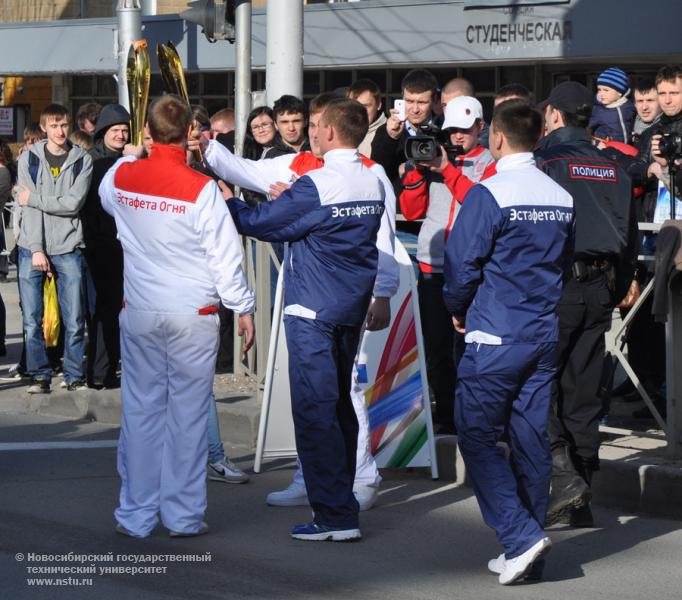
(182, 255)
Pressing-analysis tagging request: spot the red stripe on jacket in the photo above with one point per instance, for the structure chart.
(164, 174)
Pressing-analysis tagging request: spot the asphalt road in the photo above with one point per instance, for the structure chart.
(424, 539)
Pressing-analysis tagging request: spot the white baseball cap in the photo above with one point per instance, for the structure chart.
(462, 112)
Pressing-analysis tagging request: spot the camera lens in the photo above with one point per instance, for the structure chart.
(423, 149)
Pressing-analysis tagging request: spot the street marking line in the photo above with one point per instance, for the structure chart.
(20, 446)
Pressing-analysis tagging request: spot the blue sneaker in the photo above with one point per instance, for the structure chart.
(314, 532)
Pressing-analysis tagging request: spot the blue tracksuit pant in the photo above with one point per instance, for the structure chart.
(503, 394)
(321, 356)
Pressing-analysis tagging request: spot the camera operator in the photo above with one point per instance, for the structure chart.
(388, 147)
(434, 190)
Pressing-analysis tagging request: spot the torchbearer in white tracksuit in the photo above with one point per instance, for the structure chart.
(182, 256)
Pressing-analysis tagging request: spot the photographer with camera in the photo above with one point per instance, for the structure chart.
(651, 169)
(666, 144)
(438, 174)
(419, 94)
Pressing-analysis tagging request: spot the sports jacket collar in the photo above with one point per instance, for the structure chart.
(168, 152)
(341, 154)
(519, 160)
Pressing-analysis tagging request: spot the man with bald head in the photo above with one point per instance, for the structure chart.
(454, 89)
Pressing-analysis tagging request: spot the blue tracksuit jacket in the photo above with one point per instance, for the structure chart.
(505, 258)
(332, 260)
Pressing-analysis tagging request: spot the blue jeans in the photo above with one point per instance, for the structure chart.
(68, 272)
(216, 452)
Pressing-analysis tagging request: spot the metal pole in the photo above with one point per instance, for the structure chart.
(284, 60)
(129, 15)
(242, 84)
(673, 381)
(242, 106)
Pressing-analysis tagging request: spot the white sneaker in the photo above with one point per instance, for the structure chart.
(516, 568)
(226, 471)
(294, 495)
(496, 565)
(366, 496)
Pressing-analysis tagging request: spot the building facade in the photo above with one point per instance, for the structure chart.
(491, 42)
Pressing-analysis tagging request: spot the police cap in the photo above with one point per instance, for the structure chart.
(570, 97)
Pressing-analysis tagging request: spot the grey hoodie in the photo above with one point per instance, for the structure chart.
(50, 222)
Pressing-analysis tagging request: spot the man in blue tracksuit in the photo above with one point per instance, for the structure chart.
(505, 262)
(331, 217)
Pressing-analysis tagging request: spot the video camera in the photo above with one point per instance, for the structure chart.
(670, 146)
(425, 147)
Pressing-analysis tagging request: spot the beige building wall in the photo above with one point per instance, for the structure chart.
(49, 10)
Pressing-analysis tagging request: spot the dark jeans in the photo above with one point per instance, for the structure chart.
(105, 271)
(584, 317)
(68, 271)
(439, 345)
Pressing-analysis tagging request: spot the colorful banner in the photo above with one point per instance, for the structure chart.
(391, 373)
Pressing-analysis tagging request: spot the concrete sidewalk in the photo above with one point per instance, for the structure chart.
(635, 473)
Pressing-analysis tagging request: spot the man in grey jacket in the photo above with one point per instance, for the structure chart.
(52, 183)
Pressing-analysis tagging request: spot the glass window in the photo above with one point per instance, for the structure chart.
(396, 81)
(524, 75)
(483, 79)
(378, 77)
(156, 85)
(217, 84)
(337, 79)
(213, 105)
(193, 81)
(311, 83)
(106, 86)
(258, 80)
(444, 75)
(82, 86)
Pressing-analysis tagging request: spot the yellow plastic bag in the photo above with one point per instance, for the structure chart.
(51, 322)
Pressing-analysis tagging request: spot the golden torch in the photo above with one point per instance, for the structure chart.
(173, 76)
(137, 74)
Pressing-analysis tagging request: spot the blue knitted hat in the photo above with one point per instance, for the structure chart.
(615, 78)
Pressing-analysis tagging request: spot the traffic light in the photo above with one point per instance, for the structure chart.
(216, 20)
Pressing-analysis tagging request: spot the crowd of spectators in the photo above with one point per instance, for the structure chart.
(624, 122)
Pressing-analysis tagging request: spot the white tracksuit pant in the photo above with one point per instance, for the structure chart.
(168, 365)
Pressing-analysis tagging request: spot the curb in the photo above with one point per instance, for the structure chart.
(631, 484)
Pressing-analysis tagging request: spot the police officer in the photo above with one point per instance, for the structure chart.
(604, 255)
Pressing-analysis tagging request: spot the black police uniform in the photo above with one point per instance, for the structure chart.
(604, 255)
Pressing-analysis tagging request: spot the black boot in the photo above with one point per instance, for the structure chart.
(569, 489)
(582, 517)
